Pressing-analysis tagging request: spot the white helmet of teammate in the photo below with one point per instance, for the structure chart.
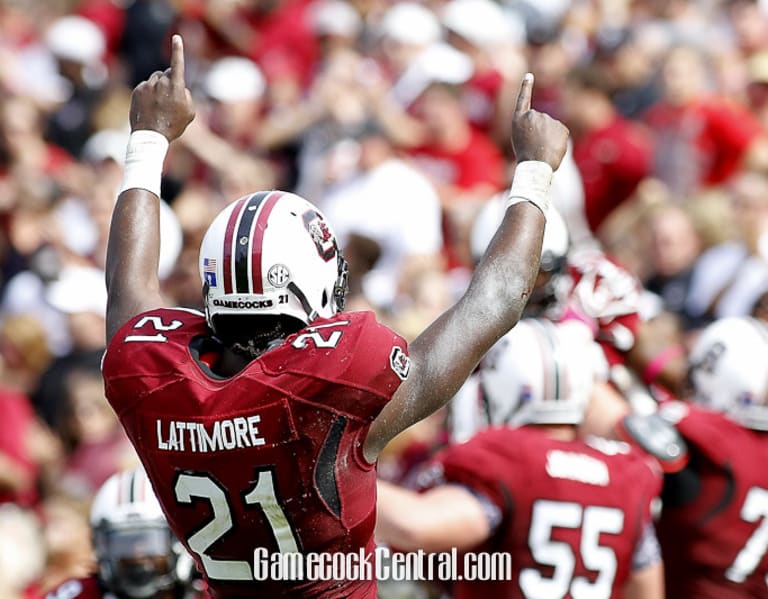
(729, 370)
(554, 246)
(539, 373)
(272, 253)
(137, 553)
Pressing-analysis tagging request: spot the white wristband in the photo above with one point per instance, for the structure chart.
(531, 183)
(144, 159)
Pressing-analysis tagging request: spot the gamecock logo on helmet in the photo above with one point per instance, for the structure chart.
(321, 235)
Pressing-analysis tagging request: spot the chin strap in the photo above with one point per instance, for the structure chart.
(340, 288)
(294, 288)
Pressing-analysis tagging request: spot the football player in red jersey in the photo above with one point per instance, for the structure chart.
(138, 556)
(587, 285)
(714, 524)
(574, 514)
(260, 421)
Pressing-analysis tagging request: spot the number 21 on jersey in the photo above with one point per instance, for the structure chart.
(190, 485)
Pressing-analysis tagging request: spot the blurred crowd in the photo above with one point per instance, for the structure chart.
(393, 117)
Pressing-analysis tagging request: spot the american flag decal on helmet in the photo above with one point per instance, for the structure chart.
(209, 271)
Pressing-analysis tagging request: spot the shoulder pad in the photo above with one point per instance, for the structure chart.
(658, 437)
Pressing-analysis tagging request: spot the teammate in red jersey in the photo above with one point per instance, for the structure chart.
(714, 525)
(260, 421)
(138, 556)
(586, 284)
(575, 514)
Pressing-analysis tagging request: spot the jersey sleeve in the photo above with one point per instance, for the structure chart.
(146, 352)
(351, 363)
(472, 465)
(710, 433)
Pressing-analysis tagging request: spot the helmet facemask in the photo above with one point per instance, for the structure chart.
(136, 562)
(138, 555)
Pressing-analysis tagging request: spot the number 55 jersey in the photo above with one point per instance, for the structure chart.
(574, 515)
(265, 462)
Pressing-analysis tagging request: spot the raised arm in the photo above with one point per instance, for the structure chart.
(445, 354)
(161, 108)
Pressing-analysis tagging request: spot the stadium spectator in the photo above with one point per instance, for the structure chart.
(674, 247)
(728, 278)
(79, 47)
(464, 165)
(492, 38)
(613, 154)
(700, 139)
(390, 204)
(25, 444)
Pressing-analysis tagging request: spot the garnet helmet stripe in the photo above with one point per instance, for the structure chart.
(258, 240)
(229, 235)
(243, 239)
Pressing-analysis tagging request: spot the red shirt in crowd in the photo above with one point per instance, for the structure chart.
(612, 161)
(701, 143)
(479, 161)
(15, 427)
(480, 96)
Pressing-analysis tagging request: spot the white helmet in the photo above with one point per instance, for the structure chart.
(539, 373)
(554, 246)
(137, 553)
(729, 370)
(272, 253)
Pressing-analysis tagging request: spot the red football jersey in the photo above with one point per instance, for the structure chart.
(572, 512)
(716, 544)
(269, 458)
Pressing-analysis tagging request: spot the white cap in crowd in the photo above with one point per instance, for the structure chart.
(439, 63)
(77, 39)
(483, 23)
(411, 23)
(79, 289)
(336, 17)
(233, 78)
(107, 144)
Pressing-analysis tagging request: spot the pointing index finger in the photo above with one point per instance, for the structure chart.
(524, 97)
(177, 61)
